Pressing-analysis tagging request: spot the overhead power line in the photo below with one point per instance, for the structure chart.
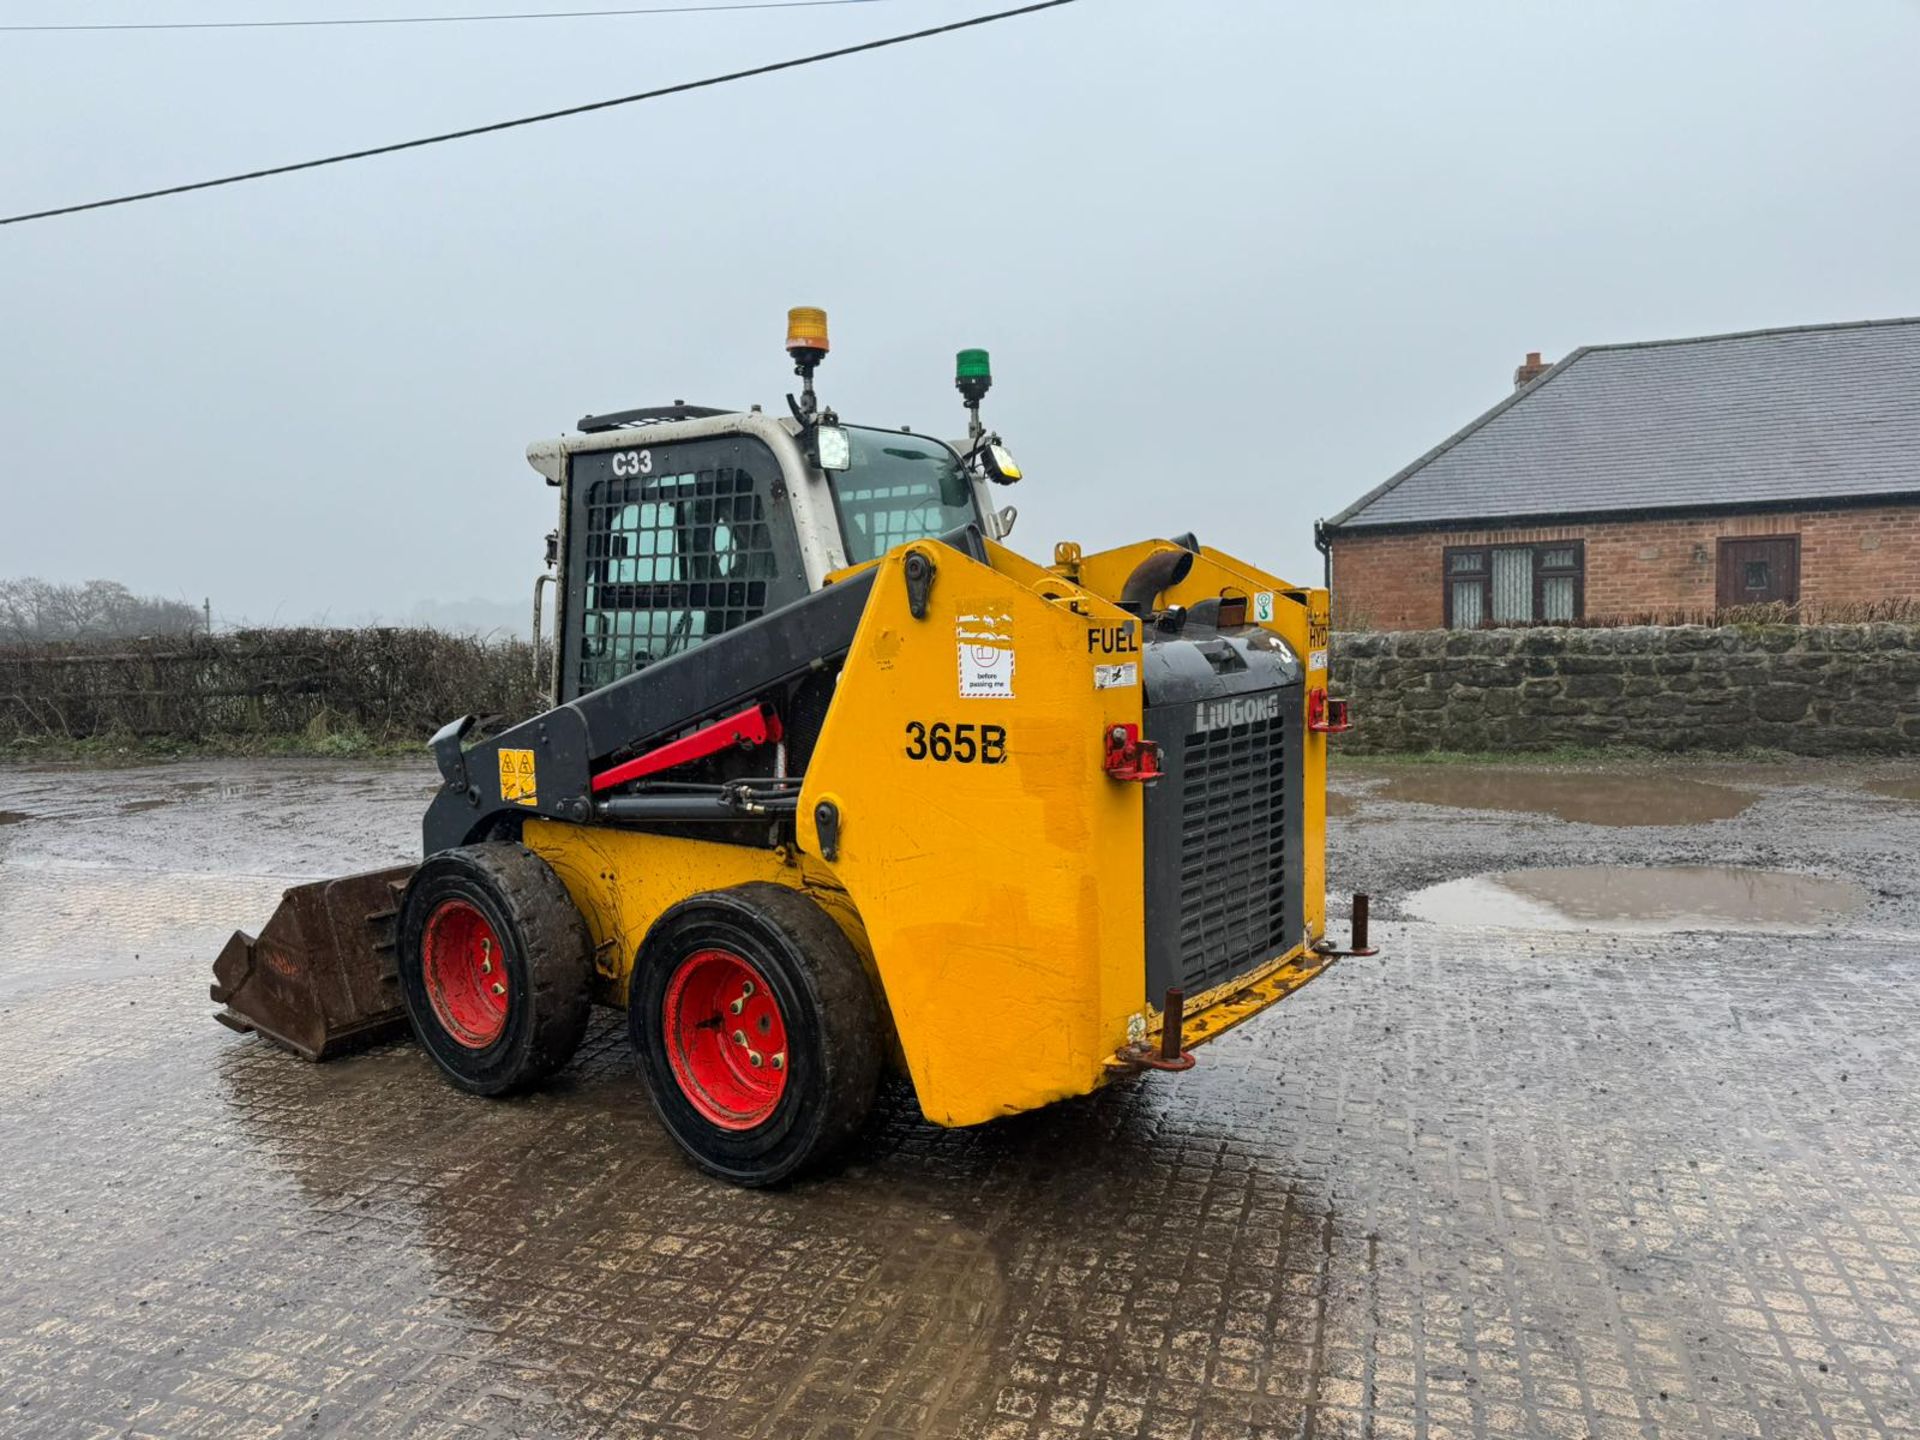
(679, 89)
(437, 19)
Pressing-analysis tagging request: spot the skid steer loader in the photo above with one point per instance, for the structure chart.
(834, 782)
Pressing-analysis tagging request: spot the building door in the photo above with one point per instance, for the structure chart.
(1760, 571)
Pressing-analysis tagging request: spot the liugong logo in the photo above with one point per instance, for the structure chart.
(1219, 714)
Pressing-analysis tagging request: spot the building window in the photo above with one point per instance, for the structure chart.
(1515, 584)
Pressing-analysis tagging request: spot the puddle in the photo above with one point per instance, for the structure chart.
(1339, 804)
(1898, 789)
(13, 817)
(138, 807)
(1647, 901)
(1590, 799)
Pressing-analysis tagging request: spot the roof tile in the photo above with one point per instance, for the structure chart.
(1816, 413)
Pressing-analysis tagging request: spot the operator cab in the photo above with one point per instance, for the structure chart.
(684, 522)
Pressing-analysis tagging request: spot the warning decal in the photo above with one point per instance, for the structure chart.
(1114, 677)
(985, 671)
(516, 777)
(1263, 607)
(985, 643)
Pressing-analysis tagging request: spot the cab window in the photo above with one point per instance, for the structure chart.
(899, 488)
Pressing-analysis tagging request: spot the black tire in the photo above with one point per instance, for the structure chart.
(545, 964)
(831, 1023)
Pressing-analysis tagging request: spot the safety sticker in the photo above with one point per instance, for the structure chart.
(1114, 677)
(1316, 660)
(1263, 607)
(986, 672)
(516, 777)
(985, 642)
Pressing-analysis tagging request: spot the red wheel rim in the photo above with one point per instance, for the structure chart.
(726, 1039)
(465, 968)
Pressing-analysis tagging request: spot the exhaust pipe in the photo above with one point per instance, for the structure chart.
(1159, 571)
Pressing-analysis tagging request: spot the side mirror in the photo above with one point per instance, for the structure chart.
(832, 447)
(999, 461)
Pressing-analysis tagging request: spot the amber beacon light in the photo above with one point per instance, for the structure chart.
(807, 334)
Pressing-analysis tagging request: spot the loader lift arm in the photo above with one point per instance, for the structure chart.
(557, 754)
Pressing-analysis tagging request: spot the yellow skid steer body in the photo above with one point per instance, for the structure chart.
(987, 867)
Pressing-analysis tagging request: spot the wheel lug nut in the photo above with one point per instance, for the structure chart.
(498, 988)
(740, 1037)
(780, 1060)
(754, 1059)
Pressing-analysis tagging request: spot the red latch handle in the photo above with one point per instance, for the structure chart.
(1325, 715)
(1128, 757)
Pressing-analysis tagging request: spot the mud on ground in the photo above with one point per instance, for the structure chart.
(1502, 1183)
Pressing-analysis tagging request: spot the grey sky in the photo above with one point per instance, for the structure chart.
(1236, 262)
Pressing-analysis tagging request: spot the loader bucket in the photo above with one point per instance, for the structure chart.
(319, 979)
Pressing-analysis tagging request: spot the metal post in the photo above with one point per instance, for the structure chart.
(1173, 1021)
(1359, 942)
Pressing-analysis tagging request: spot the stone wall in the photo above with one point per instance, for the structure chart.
(1815, 690)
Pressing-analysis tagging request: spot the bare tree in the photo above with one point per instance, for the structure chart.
(34, 610)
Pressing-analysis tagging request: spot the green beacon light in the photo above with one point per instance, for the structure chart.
(973, 375)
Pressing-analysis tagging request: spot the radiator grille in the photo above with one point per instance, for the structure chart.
(1233, 851)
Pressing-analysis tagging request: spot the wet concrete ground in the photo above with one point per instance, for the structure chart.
(1520, 1183)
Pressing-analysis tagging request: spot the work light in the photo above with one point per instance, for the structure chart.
(833, 447)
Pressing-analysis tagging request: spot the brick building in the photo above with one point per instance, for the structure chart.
(1658, 478)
